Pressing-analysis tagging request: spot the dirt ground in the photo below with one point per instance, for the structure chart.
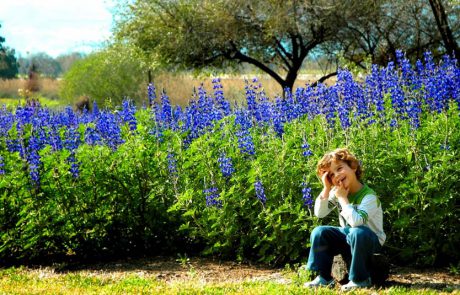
(213, 271)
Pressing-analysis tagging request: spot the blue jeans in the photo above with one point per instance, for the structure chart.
(358, 242)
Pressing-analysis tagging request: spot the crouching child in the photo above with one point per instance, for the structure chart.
(360, 233)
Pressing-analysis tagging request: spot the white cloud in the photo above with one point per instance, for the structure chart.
(55, 26)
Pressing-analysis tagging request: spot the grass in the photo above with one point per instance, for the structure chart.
(179, 87)
(11, 103)
(43, 281)
(48, 87)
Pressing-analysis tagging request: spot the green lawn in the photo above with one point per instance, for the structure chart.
(43, 281)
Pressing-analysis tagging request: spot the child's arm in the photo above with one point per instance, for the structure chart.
(360, 215)
(323, 205)
(326, 201)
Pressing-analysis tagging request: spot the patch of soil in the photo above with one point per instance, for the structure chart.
(208, 270)
(171, 269)
(424, 278)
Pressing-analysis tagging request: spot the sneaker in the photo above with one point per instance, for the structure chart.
(353, 285)
(319, 281)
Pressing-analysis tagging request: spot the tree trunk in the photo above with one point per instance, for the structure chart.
(149, 73)
(290, 80)
(444, 28)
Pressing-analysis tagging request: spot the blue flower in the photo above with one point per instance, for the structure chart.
(250, 97)
(108, 129)
(221, 102)
(95, 112)
(72, 140)
(71, 143)
(212, 197)
(55, 139)
(33, 159)
(68, 118)
(330, 98)
(245, 142)
(445, 147)
(127, 114)
(373, 91)
(225, 165)
(151, 94)
(92, 137)
(413, 112)
(306, 152)
(308, 101)
(74, 165)
(407, 74)
(6, 121)
(172, 164)
(23, 116)
(243, 118)
(264, 112)
(306, 195)
(14, 145)
(2, 165)
(166, 113)
(260, 192)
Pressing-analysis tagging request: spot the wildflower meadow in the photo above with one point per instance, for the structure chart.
(234, 180)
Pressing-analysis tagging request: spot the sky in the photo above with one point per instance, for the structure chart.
(55, 26)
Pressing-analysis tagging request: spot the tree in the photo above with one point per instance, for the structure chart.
(274, 35)
(442, 22)
(111, 74)
(391, 25)
(8, 63)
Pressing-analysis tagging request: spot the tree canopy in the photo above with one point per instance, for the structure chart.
(391, 25)
(276, 36)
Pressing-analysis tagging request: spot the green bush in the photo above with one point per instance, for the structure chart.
(109, 75)
(162, 189)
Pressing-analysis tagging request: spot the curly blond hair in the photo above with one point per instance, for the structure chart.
(342, 154)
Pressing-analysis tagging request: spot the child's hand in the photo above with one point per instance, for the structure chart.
(326, 180)
(342, 193)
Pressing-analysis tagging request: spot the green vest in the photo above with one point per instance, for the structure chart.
(357, 197)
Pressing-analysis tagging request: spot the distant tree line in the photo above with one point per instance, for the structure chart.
(46, 65)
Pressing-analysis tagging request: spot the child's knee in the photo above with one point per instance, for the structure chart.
(358, 234)
(319, 231)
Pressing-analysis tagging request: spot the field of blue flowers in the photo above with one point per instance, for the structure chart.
(237, 181)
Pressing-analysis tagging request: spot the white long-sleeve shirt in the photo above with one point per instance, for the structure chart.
(364, 209)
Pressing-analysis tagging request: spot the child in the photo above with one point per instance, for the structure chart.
(361, 221)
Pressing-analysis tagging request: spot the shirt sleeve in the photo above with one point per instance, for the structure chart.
(324, 207)
(359, 215)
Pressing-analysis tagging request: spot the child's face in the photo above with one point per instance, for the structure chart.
(339, 171)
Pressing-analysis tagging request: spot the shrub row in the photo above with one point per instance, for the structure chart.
(237, 182)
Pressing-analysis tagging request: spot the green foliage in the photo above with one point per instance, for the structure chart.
(244, 227)
(111, 74)
(118, 204)
(8, 62)
(129, 200)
